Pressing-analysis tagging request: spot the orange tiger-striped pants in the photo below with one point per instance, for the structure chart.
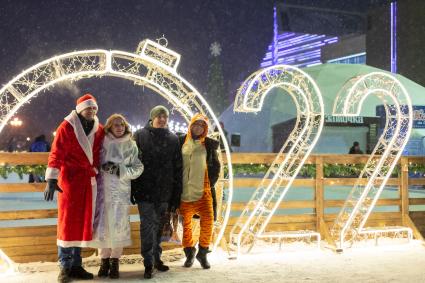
(203, 208)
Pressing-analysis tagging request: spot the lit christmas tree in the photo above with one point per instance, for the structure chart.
(215, 90)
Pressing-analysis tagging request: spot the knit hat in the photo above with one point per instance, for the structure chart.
(158, 110)
(85, 101)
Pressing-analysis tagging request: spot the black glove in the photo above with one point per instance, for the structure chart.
(111, 168)
(51, 187)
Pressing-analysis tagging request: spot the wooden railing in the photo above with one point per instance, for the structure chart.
(38, 243)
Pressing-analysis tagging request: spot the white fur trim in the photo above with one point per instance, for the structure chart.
(109, 138)
(86, 142)
(94, 196)
(85, 104)
(52, 173)
(68, 244)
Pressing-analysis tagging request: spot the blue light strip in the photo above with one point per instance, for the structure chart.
(266, 64)
(301, 48)
(393, 8)
(296, 49)
(346, 57)
(275, 34)
(297, 40)
(285, 35)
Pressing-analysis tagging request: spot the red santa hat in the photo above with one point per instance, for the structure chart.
(85, 101)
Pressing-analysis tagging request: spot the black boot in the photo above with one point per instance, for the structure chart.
(202, 257)
(104, 268)
(190, 256)
(115, 268)
(160, 266)
(148, 272)
(78, 272)
(64, 275)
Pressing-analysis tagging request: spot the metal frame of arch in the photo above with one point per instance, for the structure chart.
(266, 199)
(350, 222)
(153, 66)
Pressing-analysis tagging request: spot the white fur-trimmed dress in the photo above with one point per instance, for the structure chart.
(112, 222)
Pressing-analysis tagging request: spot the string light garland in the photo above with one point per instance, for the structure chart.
(154, 66)
(350, 222)
(252, 223)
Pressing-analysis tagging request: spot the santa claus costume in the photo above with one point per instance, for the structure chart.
(74, 163)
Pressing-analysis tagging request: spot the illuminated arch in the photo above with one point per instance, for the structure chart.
(154, 66)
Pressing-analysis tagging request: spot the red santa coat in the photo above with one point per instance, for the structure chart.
(74, 161)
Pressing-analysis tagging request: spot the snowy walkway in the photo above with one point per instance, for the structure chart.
(402, 263)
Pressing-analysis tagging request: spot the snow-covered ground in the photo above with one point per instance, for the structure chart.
(294, 263)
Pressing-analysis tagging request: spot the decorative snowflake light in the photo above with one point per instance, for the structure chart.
(215, 49)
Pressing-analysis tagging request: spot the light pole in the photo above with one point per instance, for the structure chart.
(16, 122)
(13, 143)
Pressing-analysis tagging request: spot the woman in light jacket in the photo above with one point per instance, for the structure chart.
(120, 164)
(201, 169)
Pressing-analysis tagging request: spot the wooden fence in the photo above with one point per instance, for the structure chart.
(38, 243)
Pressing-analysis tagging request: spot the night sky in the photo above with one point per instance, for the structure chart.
(35, 30)
(32, 31)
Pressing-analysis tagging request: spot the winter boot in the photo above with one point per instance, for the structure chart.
(190, 256)
(78, 272)
(104, 268)
(201, 256)
(148, 272)
(64, 275)
(115, 268)
(160, 266)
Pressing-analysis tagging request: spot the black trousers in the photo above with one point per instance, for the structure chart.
(152, 220)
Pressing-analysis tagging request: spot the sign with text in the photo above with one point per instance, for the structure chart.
(418, 115)
(344, 119)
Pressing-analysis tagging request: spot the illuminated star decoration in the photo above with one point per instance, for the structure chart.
(215, 49)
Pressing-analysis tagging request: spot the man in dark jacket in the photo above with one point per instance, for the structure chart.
(158, 189)
(355, 149)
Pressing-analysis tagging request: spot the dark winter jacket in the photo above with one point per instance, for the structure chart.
(40, 145)
(213, 165)
(87, 125)
(354, 151)
(161, 181)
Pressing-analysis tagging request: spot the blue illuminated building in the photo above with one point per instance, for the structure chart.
(393, 9)
(298, 49)
(359, 58)
(307, 33)
(293, 48)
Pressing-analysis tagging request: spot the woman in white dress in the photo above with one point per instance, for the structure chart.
(120, 164)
